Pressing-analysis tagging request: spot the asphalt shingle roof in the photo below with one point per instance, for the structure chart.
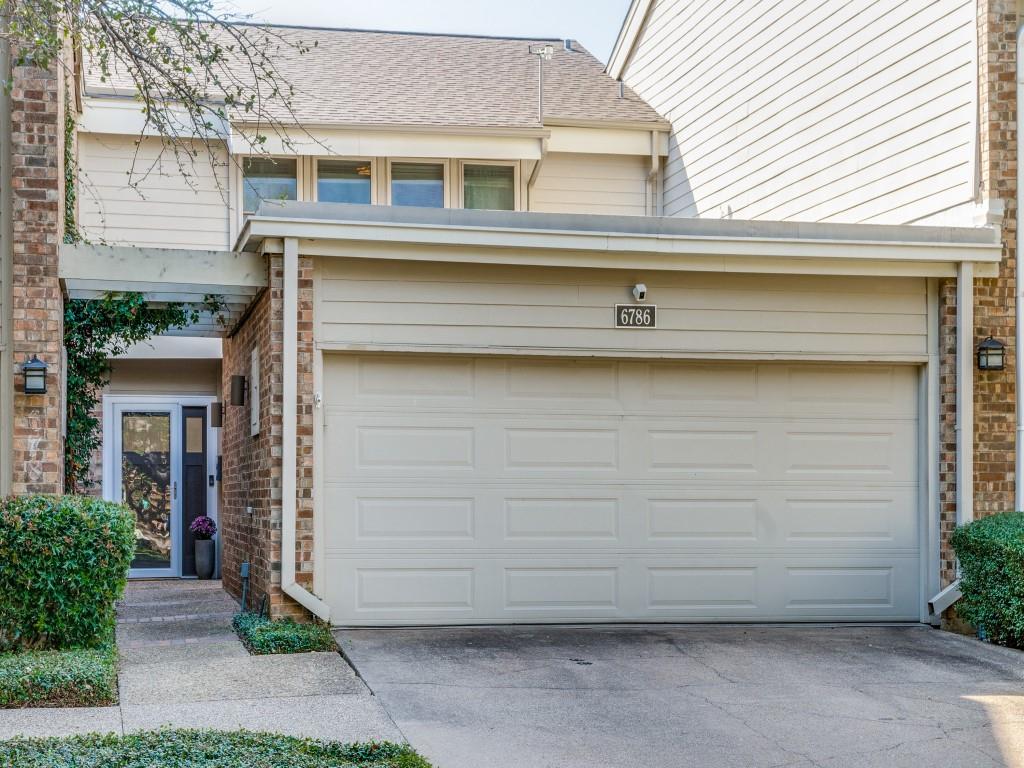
(413, 79)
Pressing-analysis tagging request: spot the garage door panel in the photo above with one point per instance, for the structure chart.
(476, 490)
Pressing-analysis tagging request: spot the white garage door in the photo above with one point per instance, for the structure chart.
(462, 489)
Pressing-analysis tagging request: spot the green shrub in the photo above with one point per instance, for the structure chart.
(63, 563)
(260, 635)
(81, 677)
(203, 749)
(991, 555)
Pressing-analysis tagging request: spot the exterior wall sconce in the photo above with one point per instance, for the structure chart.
(237, 390)
(991, 355)
(34, 372)
(216, 414)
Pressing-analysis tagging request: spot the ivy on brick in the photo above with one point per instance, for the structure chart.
(71, 233)
(94, 331)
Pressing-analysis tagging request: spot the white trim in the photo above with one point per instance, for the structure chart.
(629, 34)
(461, 182)
(112, 406)
(931, 530)
(609, 249)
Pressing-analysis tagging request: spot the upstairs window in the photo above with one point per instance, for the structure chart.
(343, 181)
(267, 178)
(419, 184)
(490, 187)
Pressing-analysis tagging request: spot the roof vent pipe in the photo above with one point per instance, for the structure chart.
(568, 43)
(622, 90)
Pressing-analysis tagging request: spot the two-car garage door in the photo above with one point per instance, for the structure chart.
(463, 489)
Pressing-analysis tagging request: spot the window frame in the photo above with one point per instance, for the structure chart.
(445, 164)
(516, 185)
(315, 174)
(300, 180)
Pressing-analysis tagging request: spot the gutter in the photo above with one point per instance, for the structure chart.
(290, 371)
(536, 171)
(1019, 319)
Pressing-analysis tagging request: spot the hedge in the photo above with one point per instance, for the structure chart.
(991, 555)
(203, 749)
(63, 563)
(262, 636)
(80, 677)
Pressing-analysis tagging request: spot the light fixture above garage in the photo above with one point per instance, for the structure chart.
(991, 355)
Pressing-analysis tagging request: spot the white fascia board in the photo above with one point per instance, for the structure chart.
(382, 142)
(606, 141)
(618, 250)
(123, 116)
(628, 34)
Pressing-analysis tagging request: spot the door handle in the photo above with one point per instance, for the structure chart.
(174, 491)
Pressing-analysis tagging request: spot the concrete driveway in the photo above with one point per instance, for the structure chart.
(754, 697)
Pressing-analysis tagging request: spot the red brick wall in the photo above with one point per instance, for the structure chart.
(252, 465)
(994, 298)
(37, 218)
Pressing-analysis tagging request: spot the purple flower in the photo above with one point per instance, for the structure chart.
(203, 527)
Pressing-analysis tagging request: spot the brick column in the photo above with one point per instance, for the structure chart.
(37, 307)
(252, 464)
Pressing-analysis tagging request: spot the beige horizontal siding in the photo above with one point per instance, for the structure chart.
(812, 111)
(164, 377)
(583, 183)
(164, 207)
(437, 305)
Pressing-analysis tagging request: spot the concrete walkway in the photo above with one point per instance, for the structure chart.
(182, 665)
(708, 696)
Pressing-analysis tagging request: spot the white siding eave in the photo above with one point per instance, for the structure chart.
(764, 247)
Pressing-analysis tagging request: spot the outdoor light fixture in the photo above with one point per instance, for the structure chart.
(237, 390)
(34, 372)
(216, 414)
(991, 355)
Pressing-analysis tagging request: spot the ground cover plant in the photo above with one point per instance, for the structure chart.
(203, 749)
(261, 635)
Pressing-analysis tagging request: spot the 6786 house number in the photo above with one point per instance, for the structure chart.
(636, 315)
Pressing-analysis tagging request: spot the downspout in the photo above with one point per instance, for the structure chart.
(1018, 484)
(536, 172)
(652, 175)
(965, 393)
(290, 372)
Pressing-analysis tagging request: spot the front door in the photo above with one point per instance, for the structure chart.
(146, 478)
(158, 452)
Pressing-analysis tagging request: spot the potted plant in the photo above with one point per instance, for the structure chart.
(204, 529)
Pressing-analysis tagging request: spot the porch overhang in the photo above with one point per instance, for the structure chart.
(620, 242)
(165, 275)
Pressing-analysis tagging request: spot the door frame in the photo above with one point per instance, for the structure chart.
(113, 406)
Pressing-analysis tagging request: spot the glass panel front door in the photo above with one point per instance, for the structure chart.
(148, 486)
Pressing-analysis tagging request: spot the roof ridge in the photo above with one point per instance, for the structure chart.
(412, 33)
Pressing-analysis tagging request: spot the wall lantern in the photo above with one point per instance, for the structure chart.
(216, 414)
(237, 390)
(991, 355)
(34, 372)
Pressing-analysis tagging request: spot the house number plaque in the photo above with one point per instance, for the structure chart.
(636, 315)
